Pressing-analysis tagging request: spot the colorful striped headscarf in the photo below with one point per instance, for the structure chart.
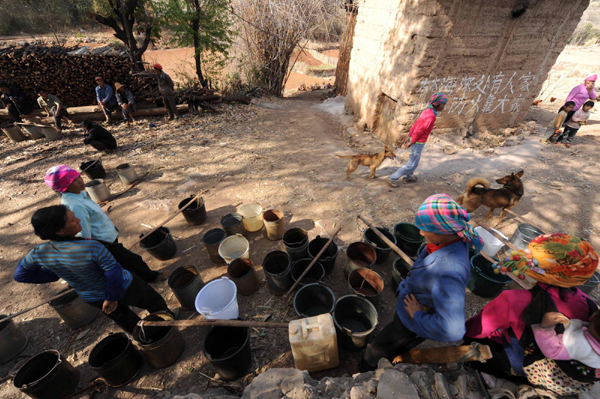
(442, 215)
(556, 259)
(59, 177)
(437, 99)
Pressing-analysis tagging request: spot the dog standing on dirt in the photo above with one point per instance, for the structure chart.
(372, 161)
(505, 197)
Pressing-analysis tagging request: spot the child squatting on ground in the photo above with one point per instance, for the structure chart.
(553, 129)
(580, 340)
(572, 125)
(417, 137)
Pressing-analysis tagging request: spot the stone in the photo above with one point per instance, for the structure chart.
(441, 387)
(360, 392)
(276, 380)
(384, 363)
(531, 125)
(188, 396)
(449, 149)
(557, 185)
(511, 141)
(359, 378)
(396, 385)
(304, 391)
(520, 137)
(423, 382)
(371, 386)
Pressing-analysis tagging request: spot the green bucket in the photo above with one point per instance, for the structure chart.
(408, 237)
(484, 282)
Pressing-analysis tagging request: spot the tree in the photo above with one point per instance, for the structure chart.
(128, 18)
(205, 24)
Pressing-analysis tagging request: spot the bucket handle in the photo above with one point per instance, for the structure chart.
(31, 384)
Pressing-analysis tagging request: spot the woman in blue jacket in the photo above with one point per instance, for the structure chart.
(431, 300)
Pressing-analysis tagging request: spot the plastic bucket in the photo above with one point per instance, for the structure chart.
(218, 300)
(251, 216)
(359, 254)
(162, 346)
(47, 375)
(313, 300)
(127, 173)
(277, 267)
(97, 190)
(381, 248)
(232, 224)
(34, 132)
(51, 133)
(483, 281)
(295, 242)
(274, 224)
(591, 284)
(366, 283)
(491, 245)
(212, 239)
(355, 320)
(228, 350)
(524, 234)
(14, 133)
(73, 310)
(314, 275)
(12, 340)
(243, 274)
(234, 247)
(195, 214)
(400, 270)
(185, 282)
(327, 260)
(408, 238)
(96, 171)
(160, 244)
(116, 359)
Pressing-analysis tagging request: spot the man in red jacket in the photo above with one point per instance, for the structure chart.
(417, 137)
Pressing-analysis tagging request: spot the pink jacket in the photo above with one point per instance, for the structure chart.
(506, 311)
(579, 95)
(421, 129)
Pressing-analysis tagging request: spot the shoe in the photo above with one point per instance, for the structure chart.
(568, 145)
(410, 179)
(162, 276)
(392, 183)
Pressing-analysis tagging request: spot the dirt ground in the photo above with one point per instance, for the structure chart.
(280, 153)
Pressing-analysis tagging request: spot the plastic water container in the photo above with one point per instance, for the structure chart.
(234, 247)
(314, 343)
(252, 216)
(218, 300)
(491, 245)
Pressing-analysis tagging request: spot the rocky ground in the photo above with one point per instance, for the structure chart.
(281, 153)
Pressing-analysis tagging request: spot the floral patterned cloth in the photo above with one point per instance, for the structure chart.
(546, 373)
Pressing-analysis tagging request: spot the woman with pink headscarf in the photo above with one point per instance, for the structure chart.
(581, 93)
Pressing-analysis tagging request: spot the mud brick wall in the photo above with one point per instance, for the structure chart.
(490, 56)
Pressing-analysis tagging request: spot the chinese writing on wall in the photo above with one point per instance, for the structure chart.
(470, 95)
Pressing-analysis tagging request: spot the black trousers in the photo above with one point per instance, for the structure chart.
(140, 295)
(392, 341)
(498, 365)
(568, 135)
(58, 116)
(108, 109)
(131, 261)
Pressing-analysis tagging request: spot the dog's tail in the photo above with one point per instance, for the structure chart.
(477, 181)
(346, 156)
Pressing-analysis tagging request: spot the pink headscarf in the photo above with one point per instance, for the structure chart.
(59, 177)
(592, 77)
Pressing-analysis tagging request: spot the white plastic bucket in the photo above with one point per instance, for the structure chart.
(252, 216)
(218, 300)
(491, 244)
(234, 247)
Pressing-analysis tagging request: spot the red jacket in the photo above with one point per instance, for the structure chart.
(420, 131)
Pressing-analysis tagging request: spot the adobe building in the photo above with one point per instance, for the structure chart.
(490, 56)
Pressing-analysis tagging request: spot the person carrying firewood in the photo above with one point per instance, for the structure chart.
(126, 102)
(167, 91)
(53, 107)
(106, 98)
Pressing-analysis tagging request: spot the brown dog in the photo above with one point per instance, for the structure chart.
(372, 161)
(505, 197)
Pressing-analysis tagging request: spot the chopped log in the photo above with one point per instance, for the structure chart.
(237, 98)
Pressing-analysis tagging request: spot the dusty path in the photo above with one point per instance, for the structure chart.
(280, 153)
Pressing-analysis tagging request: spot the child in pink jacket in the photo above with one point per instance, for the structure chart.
(580, 341)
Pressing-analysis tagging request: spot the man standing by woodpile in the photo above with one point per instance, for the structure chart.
(14, 100)
(53, 107)
(106, 98)
(167, 91)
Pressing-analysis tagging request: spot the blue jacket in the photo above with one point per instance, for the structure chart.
(439, 281)
(106, 94)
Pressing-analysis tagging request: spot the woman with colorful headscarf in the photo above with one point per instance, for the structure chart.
(431, 300)
(559, 263)
(417, 137)
(580, 94)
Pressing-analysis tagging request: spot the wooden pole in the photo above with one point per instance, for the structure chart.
(523, 220)
(311, 264)
(449, 354)
(216, 322)
(92, 164)
(12, 316)
(397, 250)
(168, 219)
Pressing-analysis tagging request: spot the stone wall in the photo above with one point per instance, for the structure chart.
(490, 56)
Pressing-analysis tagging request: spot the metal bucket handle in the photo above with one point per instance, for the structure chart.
(26, 386)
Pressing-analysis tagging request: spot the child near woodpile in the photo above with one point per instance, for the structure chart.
(572, 126)
(553, 129)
